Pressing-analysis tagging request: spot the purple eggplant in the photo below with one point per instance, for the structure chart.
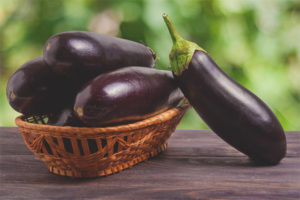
(35, 89)
(126, 95)
(65, 117)
(80, 55)
(229, 109)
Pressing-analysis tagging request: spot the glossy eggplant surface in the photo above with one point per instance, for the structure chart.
(65, 117)
(126, 95)
(35, 89)
(81, 55)
(233, 112)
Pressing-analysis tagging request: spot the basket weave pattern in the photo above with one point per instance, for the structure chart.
(91, 152)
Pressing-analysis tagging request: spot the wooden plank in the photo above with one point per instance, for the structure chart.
(161, 179)
(196, 165)
(207, 143)
(10, 135)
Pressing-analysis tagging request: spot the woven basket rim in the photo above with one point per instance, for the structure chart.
(159, 118)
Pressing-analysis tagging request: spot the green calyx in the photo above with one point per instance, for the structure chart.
(182, 50)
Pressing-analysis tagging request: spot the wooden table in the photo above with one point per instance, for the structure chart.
(196, 165)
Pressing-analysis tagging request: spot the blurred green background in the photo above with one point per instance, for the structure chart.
(257, 42)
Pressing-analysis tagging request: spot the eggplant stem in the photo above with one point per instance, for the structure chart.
(173, 32)
(182, 50)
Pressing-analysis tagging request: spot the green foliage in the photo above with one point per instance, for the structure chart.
(255, 42)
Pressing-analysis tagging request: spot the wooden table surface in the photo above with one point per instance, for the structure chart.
(196, 165)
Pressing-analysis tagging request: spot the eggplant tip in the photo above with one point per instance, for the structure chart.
(12, 96)
(48, 46)
(79, 111)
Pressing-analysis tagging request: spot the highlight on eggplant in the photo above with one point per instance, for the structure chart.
(65, 117)
(126, 95)
(233, 112)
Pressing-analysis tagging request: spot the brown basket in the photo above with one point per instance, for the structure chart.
(91, 152)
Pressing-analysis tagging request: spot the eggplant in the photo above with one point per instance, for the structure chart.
(65, 117)
(234, 113)
(35, 89)
(80, 55)
(126, 95)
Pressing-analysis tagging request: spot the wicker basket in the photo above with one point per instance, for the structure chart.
(92, 152)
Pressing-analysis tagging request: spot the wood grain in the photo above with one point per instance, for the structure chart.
(196, 165)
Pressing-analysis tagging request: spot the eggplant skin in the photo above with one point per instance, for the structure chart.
(126, 95)
(231, 111)
(65, 117)
(81, 55)
(35, 89)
